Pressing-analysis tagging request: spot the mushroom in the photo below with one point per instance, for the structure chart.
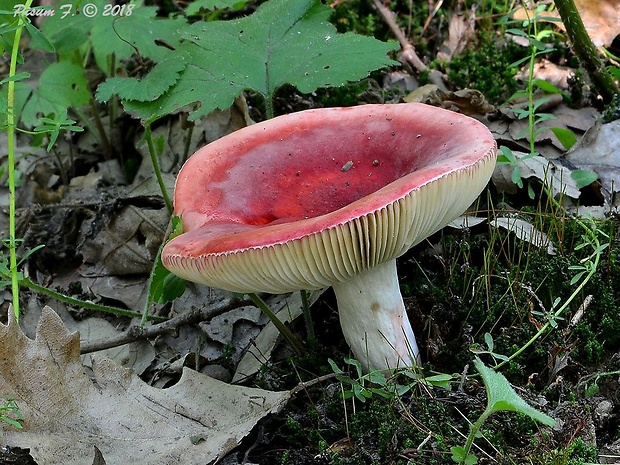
(330, 197)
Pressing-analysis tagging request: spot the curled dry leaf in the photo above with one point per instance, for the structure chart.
(470, 102)
(67, 414)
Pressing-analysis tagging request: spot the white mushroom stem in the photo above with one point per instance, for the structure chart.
(374, 320)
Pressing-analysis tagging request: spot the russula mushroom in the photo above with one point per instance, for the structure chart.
(330, 197)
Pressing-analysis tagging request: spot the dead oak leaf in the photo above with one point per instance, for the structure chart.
(67, 414)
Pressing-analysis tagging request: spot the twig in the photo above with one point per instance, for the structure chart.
(190, 317)
(302, 386)
(408, 54)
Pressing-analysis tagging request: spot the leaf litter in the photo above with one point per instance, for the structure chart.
(67, 414)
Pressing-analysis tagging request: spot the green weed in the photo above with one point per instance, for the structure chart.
(10, 414)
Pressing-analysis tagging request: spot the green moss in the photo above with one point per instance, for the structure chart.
(487, 68)
(577, 453)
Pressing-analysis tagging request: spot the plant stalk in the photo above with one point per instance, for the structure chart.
(10, 119)
(282, 328)
(160, 180)
(560, 310)
(84, 304)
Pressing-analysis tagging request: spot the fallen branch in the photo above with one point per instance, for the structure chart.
(193, 316)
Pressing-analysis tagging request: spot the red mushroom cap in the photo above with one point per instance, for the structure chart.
(309, 199)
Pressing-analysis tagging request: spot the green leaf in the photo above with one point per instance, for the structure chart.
(566, 137)
(546, 86)
(488, 339)
(516, 32)
(537, 44)
(283, 42)
(195, 7)
(441, 380)
(460, 456)
(355, 363)
(335, 368)
(16, 77)
(501, 395)
(12, 422)
(38, 39)
(165, 286)
(62, 85)
(159, 80)
(583, 178)
(506, 155)
(114, 36)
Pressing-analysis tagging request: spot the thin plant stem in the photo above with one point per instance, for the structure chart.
(559, 311)
(269, 111)
(282, 328)
(308, 318)
(148, 136)
(475, 427)
(11, 123)
(82, 303)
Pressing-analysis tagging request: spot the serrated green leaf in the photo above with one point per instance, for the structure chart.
(195, 7)
(152, 86)
(502, 396)
(283, 42)
(118, 36)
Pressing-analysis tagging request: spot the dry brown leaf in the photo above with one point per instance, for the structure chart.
(67, 414)
(467, 101)
(128, 245)
(548, 71)
(460, 32)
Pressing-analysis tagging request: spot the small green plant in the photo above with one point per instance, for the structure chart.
(531, 112)
(479, 349)
(364, 386)
(500, 397)
(10, 414)
(584, 272)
